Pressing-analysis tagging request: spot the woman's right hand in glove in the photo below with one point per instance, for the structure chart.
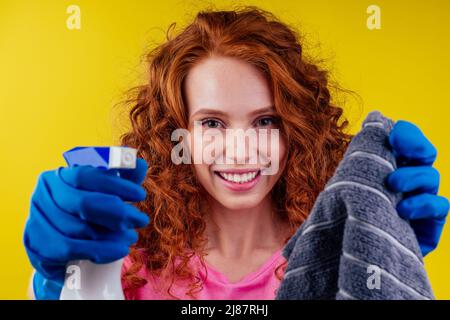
(80, 213)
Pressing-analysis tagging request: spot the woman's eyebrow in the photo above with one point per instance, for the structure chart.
(268, 109)
(208, 111)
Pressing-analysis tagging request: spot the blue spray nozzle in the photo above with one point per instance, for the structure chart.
(113, 157)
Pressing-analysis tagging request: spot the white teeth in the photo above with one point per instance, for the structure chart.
(239, 178)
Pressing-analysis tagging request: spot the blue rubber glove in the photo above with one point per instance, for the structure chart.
(419, 183)
(80, 213)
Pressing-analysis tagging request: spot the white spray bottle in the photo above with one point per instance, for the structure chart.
(86, 280)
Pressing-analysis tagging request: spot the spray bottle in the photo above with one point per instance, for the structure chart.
(84, 279)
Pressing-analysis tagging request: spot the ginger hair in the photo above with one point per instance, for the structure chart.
(313, 125)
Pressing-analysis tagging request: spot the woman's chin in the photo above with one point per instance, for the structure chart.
(240, 202)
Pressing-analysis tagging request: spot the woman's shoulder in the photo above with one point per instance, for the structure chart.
(137, 257)
(155, 287)
(138, 284)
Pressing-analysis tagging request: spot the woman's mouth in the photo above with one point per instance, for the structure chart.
(239, 180)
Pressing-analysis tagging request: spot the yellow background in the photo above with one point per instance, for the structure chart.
(58, 86)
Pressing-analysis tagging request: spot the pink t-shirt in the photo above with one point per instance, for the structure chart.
(260, 284)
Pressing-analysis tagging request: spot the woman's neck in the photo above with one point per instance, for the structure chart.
(238, 233)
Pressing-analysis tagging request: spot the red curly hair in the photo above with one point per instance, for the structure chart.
(310, 122)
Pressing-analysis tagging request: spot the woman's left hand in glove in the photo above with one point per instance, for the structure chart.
(419, 182)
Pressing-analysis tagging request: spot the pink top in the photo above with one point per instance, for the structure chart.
(260, 284)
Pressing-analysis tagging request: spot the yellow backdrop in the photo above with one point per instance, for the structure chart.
(58, 85)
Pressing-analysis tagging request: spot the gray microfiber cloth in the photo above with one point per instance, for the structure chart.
(354, 245)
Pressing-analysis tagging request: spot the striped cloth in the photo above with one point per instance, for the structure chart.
(354, 245)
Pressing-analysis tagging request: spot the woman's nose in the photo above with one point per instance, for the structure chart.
(241, 146)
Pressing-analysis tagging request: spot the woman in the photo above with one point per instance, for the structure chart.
(217, 229)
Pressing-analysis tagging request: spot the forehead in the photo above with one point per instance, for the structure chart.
(226, 84)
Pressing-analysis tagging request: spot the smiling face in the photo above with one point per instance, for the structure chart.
(227, 94)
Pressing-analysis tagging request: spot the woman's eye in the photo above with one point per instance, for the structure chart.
(211, 123)
(267, 121)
